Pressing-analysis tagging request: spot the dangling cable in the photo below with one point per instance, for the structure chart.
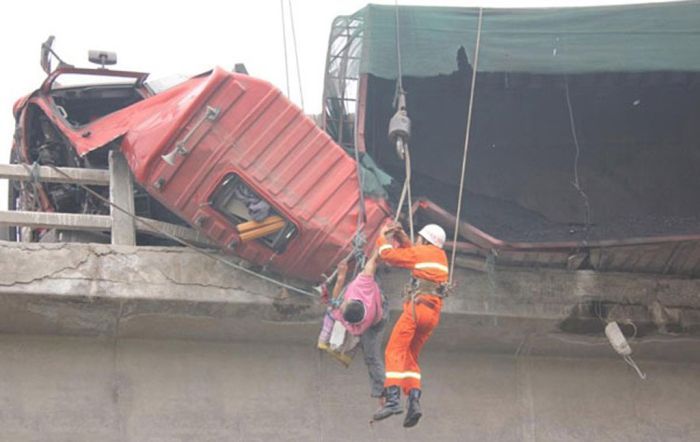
(398, 47)
(186, 243)
(359, 240)
(296, 53)
(284, 42)
(408, 193)
(633, 364)
(403, 196)
(406, 190)
(576, 183)
(400, 130)
(466, 142)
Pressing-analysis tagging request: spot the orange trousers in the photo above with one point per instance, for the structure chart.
(406, 341)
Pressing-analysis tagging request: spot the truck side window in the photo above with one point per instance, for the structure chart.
(254, 218)
(258, 209)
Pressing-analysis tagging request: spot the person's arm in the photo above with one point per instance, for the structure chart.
(399, 257)
(340, 279)
(371, 265)
(402, 238)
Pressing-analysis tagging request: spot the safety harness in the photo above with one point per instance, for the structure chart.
(417, 287)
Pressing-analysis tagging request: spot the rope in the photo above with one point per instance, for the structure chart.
(359, 240)
(398, 46)
(187, 243)
(399, 142)
(406, 190)
(466, 141)
(296, 53)
(407, 162)
(401, 145)
(362, 215)
(284, 42)
(576, 183)
(34, 171)
(634, 365)
(34, 184)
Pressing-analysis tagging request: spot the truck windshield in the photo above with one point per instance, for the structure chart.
(164, 83)
(80, 80)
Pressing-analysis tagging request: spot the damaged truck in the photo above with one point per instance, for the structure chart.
(583, 145)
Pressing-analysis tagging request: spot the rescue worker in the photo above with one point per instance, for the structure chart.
(421, 314)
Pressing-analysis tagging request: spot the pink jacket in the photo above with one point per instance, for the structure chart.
(364, 289)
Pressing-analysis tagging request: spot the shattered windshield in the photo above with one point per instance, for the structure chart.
(70, 80)
(164, 83)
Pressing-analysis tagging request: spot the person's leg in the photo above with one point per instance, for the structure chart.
(395, 353)
(398, 347)
(371, 341)
(427, 319)
(325, 336)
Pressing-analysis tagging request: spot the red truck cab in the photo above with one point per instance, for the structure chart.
(195, 148)
(221, 131)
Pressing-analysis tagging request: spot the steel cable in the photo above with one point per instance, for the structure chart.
(187, 243)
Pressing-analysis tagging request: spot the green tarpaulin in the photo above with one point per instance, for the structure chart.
(635, 38)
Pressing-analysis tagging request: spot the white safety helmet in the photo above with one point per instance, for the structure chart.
(434, 234)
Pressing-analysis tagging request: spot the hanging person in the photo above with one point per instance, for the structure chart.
(421, 314)
(364, 313)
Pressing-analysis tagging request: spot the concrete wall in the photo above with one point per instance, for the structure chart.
(101, 343)
(90, 389)
(169, 293)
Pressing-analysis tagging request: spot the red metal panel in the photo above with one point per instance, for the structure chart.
(267, 141)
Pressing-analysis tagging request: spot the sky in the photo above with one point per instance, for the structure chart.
(166, 38)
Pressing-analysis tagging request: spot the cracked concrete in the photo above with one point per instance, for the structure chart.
(154, 344)
(156, 292)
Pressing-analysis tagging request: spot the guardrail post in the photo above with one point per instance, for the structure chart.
(121, 193)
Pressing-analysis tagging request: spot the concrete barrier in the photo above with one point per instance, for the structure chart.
(88, 389)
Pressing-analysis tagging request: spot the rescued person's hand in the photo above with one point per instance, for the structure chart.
(390, 227)
(402, 237)
(342, 269)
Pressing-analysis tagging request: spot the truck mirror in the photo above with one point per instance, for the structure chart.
(240, 68)
(102, 57)
(46, 54)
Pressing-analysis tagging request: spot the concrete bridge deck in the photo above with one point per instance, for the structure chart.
(148, 344)
(159, 292)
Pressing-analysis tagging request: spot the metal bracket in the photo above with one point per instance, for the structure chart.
(181, 149)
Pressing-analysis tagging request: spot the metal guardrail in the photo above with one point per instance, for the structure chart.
(122, 226)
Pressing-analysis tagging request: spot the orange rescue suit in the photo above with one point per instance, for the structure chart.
(426, 262)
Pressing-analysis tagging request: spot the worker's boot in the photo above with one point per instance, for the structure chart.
(392, 397)
(413, 413)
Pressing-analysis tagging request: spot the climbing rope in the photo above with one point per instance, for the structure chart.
(466, 143)
(187, 243)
